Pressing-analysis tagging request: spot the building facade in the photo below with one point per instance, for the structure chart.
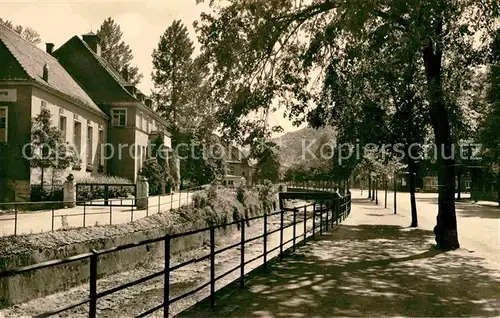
(32, 79)
(239, 169)
(133, 123)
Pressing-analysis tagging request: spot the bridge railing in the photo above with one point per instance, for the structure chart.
(324, 216)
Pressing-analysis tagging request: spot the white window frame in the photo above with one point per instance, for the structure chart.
(6, 124)
(113, 110)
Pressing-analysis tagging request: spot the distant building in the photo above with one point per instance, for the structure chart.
(132, 119)
(430, 184)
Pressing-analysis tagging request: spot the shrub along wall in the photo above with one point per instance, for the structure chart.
(211, 207)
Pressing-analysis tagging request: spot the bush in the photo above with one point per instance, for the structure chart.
(222, 206)
(240, 194)
(93, 192)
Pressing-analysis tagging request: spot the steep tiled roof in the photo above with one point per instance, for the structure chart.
(32, 60)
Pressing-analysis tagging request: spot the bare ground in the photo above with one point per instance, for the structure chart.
(372, 266)
(137, 299)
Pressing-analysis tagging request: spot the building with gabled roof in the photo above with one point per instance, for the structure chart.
(32, 79)
(133, 121)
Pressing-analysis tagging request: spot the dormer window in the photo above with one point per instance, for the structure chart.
(119, 116)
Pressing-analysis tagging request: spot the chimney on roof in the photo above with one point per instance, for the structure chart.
(149, 102)
(125, 73)
(45, 74)
(49, 47)
(94, 41)
(140, 97)
(131, 89)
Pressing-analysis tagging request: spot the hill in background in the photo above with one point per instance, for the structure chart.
(292, 143)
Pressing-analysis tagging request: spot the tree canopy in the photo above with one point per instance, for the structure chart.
(321, 59)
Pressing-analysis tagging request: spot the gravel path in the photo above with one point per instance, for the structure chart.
(373, 265)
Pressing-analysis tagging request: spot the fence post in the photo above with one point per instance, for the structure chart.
(314, 219)
(106, 194)
(212, 267)
(242, 256)
(305, 224)
(326, 220)
(132, 214)
(93, 285)
(171, 200)
(294, 228)
(111, 214)
(159, 196)
(332, 207)
(180, 195)
(265, 240)
(282, 216)
(52, 213)
(84, 212)
(321, 218)
(166, 277)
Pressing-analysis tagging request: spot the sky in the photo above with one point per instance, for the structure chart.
(142, 24)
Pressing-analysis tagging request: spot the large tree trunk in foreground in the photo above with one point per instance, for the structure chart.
(413, 202)
(498, 187)
(446, 227)
(373, 190)
(369, 187)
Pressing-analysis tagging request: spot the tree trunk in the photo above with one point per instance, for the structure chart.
(395, 193)
(385, 190)
(412, 175)
(369, 187)
(41, 177)
(446, 227)
(376, 191)
(498, 187)
(373, 190)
